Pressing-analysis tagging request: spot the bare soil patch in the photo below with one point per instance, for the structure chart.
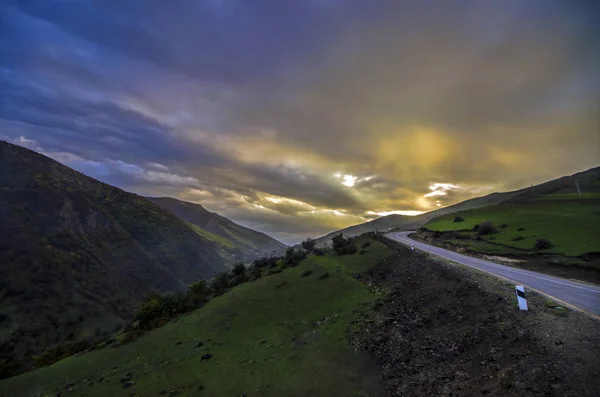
(444, 330)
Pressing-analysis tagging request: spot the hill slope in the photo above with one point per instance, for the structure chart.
(241, 241)
(78, 255)
(554, 211)
(588, 182)
(403, 222)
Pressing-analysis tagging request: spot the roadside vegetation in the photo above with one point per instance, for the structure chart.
(284, 323)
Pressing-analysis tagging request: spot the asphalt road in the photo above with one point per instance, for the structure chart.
(579, 296)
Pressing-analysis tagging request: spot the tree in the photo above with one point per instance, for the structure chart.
(220, 283)
(199, 288)
(309, 244)
(239, 269)
(343, 245)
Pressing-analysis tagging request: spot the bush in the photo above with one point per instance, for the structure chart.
(319, 252)
(200, 288)
(362, 252)
(520, 229)
(266, 262)
(309, 244)
(367, 244)
(503, 226)
(60, 351)
(486, 227)
(458, 219)
(518, 238)
(306, 273)
(543, 243)
(324, 276)
(293, 257)
(239, 269)
(343, 246)
(220, 283)
(255, 273)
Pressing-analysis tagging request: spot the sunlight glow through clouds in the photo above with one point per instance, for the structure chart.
(440, 189)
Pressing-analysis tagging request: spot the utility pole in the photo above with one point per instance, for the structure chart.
(578, 191)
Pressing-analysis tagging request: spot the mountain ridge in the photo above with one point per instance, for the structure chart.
(247, 243)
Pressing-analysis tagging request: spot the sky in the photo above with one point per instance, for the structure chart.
(300, 118)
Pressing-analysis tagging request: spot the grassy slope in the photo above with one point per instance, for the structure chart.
(570, 222)
(589, 181)
(303, 322)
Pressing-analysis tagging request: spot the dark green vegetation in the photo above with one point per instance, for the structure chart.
(282, 334)
(549, 225)
(77, 256)
(235, 241)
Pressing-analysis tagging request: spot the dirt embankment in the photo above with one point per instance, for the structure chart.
(444, 330)
(584, 268)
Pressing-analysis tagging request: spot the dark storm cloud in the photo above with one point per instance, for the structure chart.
(252, 108)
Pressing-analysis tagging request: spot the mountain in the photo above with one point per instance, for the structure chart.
(236, 239)
(589, 181)
(77, 255)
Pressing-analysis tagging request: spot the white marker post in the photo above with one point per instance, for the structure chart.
(521, 297)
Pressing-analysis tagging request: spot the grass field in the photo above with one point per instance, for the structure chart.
(570, 222)
(284, 334)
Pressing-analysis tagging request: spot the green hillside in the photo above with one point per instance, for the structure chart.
(77, 255)
(570, 222)
(238, 240)
(403, 222)
(589, 182)
(285, 334)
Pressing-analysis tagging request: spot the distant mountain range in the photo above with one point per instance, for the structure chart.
(589, 181)
(77, 256)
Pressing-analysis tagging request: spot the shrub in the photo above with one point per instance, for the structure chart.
(486, 227)
(306, 273)
(239, 269)
(458, 219)
(60, 351)
(367, 244)
(309, 244)
(293, 257)
(273, 271)
(543, 243)
(200, 288)
(362, 252)
(255, 273)
(518, 238)
(220, 283)
(319, 252)
(520, 229)
(503, 226)
(343, 246)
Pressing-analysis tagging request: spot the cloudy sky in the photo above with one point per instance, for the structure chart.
(299, 118)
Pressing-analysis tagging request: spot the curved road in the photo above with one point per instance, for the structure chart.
(579, 296)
